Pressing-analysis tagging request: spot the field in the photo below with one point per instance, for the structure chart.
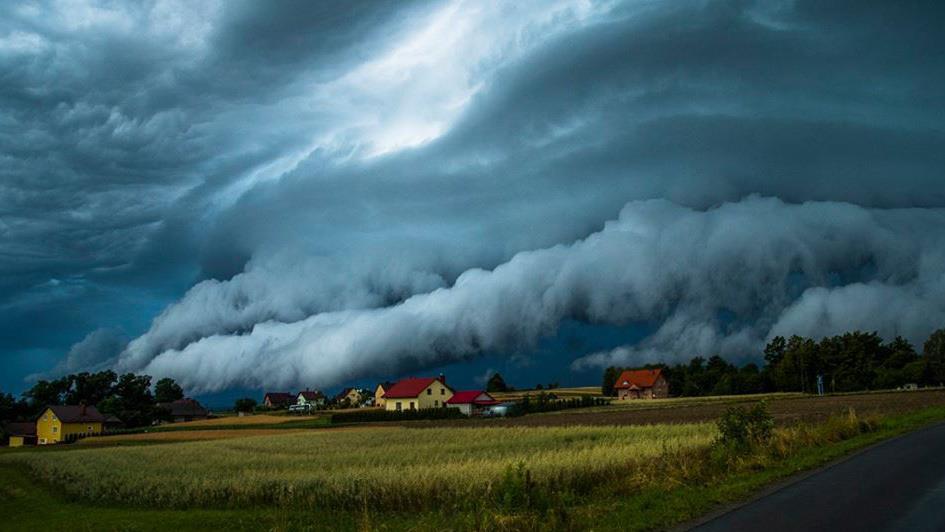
(404, 468)
(786, 408)
(646, 463)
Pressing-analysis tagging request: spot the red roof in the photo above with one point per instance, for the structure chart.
(411, 387)
(279, 397)
(471, 397)
(642, 378)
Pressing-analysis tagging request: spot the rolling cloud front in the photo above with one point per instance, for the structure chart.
(285, 194)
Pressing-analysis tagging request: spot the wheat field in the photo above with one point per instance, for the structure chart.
(384, 467)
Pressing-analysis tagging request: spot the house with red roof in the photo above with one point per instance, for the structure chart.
(418, 393)
(642, 384)
(471, 402)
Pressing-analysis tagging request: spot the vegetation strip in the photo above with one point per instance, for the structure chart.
(670, 484)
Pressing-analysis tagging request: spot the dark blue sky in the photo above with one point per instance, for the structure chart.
(244, 195)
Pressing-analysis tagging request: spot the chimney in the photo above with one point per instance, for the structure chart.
(442, 378)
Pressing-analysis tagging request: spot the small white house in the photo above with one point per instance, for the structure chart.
(471, 402)
(310, 400)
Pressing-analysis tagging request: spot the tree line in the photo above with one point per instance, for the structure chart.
(854, 361)
(128, 397)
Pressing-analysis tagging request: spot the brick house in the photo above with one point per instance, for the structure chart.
(642, 384)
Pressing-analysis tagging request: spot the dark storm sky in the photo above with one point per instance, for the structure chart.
(284, 194)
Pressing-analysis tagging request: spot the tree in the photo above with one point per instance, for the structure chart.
(90, 388)
(934, 353)
(611, 375)
(496, 384)
(132, 401)
(167, 391)
(246, 404)
(45, 393)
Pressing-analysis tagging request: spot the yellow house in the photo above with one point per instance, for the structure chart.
(379, 393)
(418, 393)
(59, 423)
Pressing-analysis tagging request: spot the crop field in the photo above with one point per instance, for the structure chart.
(786, 409)
(388, 468)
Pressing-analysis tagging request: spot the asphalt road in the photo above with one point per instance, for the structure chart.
(897, 485)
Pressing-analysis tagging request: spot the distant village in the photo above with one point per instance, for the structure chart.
(410, 398)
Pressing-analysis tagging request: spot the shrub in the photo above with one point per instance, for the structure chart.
(369, 415)
(741, 428)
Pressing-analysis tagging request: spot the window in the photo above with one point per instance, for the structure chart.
(55, 430)
(436, 403)
(429, 391)
(398, 406)
(411, 405)
(442, 391)
(90, 428)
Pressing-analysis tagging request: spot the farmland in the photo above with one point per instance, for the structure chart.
(652, 462)
(405, 468)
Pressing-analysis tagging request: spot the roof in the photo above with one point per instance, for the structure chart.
(279, 397)
(471, 397)
(642, 378)
(20, 428)
(185, 407)
(311, 395)
(76, 413)
(411, 387)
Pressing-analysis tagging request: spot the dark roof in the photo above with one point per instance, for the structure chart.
(311, 395)
(279, 397)
(475, 397)
(186, 407)
(641, 378)
(411, 387)
(20, 428)
(75, 413)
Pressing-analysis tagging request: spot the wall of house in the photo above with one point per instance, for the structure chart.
(48, 428)
(433, 396)
(378, 397)
(81, 428)
(16, 441)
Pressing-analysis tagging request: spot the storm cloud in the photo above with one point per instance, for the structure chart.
(286, 192)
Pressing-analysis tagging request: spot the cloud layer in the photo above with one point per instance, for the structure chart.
(240, 182)
(720, 280)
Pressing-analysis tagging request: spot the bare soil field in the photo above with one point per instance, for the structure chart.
(786, 410)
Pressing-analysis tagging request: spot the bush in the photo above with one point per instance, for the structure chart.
(742, 428)
(368, 415)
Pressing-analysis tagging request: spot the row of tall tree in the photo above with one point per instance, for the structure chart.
(128, 397)
(853, 361)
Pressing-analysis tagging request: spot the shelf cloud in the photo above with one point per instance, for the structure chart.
(281, 193)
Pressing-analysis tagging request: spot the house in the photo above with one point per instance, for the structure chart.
(471, 402)
(310, 399)
(185, 409)
(351, 397)
(418, 393)
(380, 391)
(113, 422)
(63, 423)
(642, 384)
(278, 399)
(20, 433)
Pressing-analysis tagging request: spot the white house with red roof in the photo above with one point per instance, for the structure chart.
(417, 393)
(471, 402)
(642, 384)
